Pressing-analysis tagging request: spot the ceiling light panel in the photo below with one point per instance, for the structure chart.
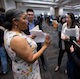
(49, 0)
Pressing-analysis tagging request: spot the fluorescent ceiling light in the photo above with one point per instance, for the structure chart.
(56, 0)
(41, 6)
(42, 13)
(68, 6)
(65, 1)
(76, 6)
(49, 0)
(33, 5)
(48, 13)
(37, 2)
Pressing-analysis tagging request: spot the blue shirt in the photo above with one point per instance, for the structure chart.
(31, 26)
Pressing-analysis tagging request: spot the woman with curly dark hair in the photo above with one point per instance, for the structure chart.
(22, 49)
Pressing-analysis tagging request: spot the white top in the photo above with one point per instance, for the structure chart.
(64, 27)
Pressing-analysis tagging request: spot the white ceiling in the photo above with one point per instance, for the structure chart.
(66, 4)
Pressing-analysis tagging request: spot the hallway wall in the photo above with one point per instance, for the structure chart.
(37, 11)
(76, 12)
(9, 4)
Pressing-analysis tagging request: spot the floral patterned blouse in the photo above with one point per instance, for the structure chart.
(21, 69)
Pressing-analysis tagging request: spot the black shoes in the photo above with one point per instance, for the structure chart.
(56, 69)
(3, 73)
(65, 71)
(44, 67)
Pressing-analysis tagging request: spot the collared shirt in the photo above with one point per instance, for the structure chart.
(64, 27)
(31, 26)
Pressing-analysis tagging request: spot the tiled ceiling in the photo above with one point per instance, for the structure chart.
(70, 4)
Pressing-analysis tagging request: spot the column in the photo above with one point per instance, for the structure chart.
(52, 12)
(61, 11)
(2, 4)
(56, 11)
(9, 4)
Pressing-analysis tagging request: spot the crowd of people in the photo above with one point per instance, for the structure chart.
(17, 42)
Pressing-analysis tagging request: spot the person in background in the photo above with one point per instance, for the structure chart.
(40, 18)
(78, 23)
(2, 11)
(48, 19)
(61, 51)
(31, 24)
(70, 24)
(22, 49)
(60, 24)
(3, 55)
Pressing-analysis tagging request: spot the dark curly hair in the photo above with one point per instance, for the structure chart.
(9, 15)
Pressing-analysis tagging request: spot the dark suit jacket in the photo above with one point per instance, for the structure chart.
(1, 37)
(36, 22)
(76, 58)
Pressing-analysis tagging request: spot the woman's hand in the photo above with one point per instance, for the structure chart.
(31, 36)
(47, 40)
(71, 48)
(65, 37)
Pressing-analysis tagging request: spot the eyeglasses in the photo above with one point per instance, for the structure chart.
(30, 14)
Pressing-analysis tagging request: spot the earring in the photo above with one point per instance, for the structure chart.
(15, 26)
